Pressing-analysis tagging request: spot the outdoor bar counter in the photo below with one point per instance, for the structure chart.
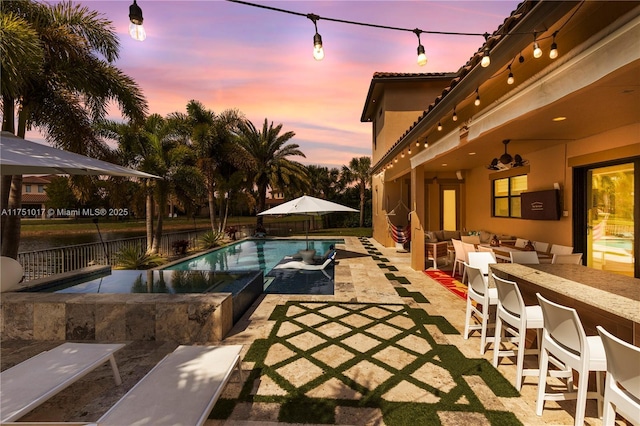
(599, 297)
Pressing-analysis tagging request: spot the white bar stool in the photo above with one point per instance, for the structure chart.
(478, 291)
(622, 387)
(563, 337)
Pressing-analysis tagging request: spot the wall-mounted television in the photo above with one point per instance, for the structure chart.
(540, 205)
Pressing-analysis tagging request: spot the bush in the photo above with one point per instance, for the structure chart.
(134, 257)
(210, 239)
(180, 246)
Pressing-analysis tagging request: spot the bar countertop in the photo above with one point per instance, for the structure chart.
(610, 292)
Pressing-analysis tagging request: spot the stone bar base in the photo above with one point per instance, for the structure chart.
(182, 318)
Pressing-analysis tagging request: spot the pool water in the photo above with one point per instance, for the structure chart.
(252, 255)
(264, 255)
(155, 281)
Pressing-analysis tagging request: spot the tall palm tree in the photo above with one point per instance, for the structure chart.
(359, 171)
(72, 86)
(214, 139)
(269, 166)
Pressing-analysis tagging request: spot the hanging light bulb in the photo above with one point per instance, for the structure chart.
(439, 127)
(426, 144)
(510, 79)
(422, 57)
(417, 142)
(409, 151)
(402, 155)
(136, 30)
(477, 101)
(318, 50)
(553, 53)
(521, 58)
(486, 59)
(537, 52)
(396, 160)
(455, 116)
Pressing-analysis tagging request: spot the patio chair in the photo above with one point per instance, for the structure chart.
(11, 274)
(472, 239)
(30, 383)
(521, 243)
(294, 264)
(559, 249)
(482, 260)
(460, 258)
(180, 390)
(468, 248)
(541, 247)
(524, 257)
(622, 385)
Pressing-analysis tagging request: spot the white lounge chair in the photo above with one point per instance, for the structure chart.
(30, 383)
(301, 265)
(180, 390)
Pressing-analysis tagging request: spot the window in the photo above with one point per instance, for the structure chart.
(27, 188)
(40, 189)
(506, 195)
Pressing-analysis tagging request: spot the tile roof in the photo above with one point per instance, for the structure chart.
(31, 198)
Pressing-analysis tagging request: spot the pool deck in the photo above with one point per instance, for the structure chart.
(358, 279)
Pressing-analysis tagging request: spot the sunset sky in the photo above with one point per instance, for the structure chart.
(229, 55)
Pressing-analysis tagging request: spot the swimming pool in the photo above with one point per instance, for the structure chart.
(252, 255)
(264, 255)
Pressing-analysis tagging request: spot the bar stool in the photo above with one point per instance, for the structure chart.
(622, 386)
(519, 318)
(563, 337)
(478, 291)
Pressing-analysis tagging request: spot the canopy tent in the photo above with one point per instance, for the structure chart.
(309, 206)
(24, 157)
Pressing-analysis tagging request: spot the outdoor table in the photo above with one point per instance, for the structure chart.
(600, 297)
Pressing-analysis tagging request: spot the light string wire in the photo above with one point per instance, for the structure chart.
(363, 24)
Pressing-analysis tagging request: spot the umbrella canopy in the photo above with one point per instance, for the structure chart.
(309, 206)
(23, 157)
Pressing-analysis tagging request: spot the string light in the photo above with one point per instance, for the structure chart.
(477, 101)
(422, 57)
(455, 116)
(426, 145)
(136, 30)
(537, 52)
(439, 126)
(553, 53)
(486, 59)
(318, 51)
(417, 143)
(402, 155)
(510, 79)
(409, 151)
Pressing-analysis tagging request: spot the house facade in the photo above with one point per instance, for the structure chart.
(34, 196)
(567, 125)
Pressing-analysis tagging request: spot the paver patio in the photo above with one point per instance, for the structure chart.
(388, 341)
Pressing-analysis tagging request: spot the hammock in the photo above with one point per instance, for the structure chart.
(400, 234)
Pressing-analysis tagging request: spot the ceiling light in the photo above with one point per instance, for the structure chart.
(506, 161)
(136, 30)
(422, 57)
(561, 118)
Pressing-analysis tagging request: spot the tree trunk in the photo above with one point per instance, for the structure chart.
(11, 228)
(212, 207)
(262, 201)
(149, 215)
(161, 196)
(8, 125)
(362, 192)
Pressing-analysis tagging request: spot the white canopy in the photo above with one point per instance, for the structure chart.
(23, 157)
(307, 205)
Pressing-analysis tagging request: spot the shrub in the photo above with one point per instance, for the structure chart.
(210, 239)
(134, 257)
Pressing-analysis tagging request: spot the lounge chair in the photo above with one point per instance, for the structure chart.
(180, 390)
(316, 259)
(30, 383)
(301, 265)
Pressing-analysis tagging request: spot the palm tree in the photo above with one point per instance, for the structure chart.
(267, 152)
(214, 139)
(359, 171)
(61, 85)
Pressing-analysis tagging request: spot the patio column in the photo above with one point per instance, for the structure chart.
(417, 218)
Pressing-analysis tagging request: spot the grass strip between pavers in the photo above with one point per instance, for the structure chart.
(415, 295)
(400, 352)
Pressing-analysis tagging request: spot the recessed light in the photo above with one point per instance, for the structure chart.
(559, 118)
(444, 164)
(472, 153)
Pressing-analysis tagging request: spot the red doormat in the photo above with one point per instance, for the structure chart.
(448, 282)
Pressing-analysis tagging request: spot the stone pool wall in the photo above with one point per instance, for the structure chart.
(184, 318)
